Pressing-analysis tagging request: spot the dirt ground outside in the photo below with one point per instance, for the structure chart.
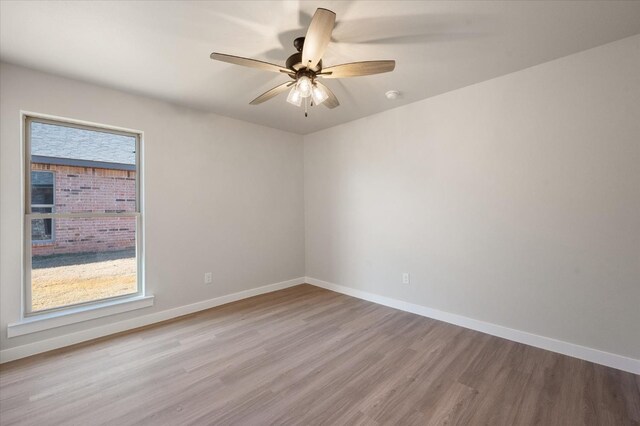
(75, 278)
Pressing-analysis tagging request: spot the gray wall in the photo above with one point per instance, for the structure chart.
(221, 195)
(515, 201)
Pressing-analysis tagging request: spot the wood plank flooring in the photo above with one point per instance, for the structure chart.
(308, 356)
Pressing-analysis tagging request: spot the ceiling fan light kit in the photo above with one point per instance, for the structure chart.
(305, 67)
(305, 88)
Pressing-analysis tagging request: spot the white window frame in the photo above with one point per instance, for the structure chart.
(27, 311)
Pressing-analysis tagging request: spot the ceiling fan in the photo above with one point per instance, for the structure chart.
(305, 66)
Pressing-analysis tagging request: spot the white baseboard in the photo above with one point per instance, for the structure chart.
(22, 351)
(582, 352)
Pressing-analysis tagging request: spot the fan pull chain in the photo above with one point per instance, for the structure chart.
(305, 108)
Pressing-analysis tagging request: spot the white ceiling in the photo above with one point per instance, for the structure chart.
(161, 48)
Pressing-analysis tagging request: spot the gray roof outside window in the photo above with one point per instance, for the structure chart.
(50, 140)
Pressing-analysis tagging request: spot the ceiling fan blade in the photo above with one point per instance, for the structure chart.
(252, 63)
(356, 69)
(272, 93)
(318, 37)
(331, 101)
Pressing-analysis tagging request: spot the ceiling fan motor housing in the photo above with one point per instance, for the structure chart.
(294, 62)
(298, 44)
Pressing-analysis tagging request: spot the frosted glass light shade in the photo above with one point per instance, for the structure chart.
(304, 86)
(294, 97)
(318, 94)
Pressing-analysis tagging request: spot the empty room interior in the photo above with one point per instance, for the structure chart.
(320, 213)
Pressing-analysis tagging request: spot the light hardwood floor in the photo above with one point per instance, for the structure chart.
(310, 356)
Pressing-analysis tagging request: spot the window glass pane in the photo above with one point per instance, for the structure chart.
(41, 229)
(41, 188)
(92, 259)
(94, 171)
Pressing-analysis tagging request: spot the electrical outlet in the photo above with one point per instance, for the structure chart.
(208, 277)
(406, 279)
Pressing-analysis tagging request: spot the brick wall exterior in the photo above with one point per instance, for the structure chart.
(87, 189)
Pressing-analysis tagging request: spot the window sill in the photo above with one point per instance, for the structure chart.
(74, 315)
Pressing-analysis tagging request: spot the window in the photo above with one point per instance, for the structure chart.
(83, 221)
(42, 194)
